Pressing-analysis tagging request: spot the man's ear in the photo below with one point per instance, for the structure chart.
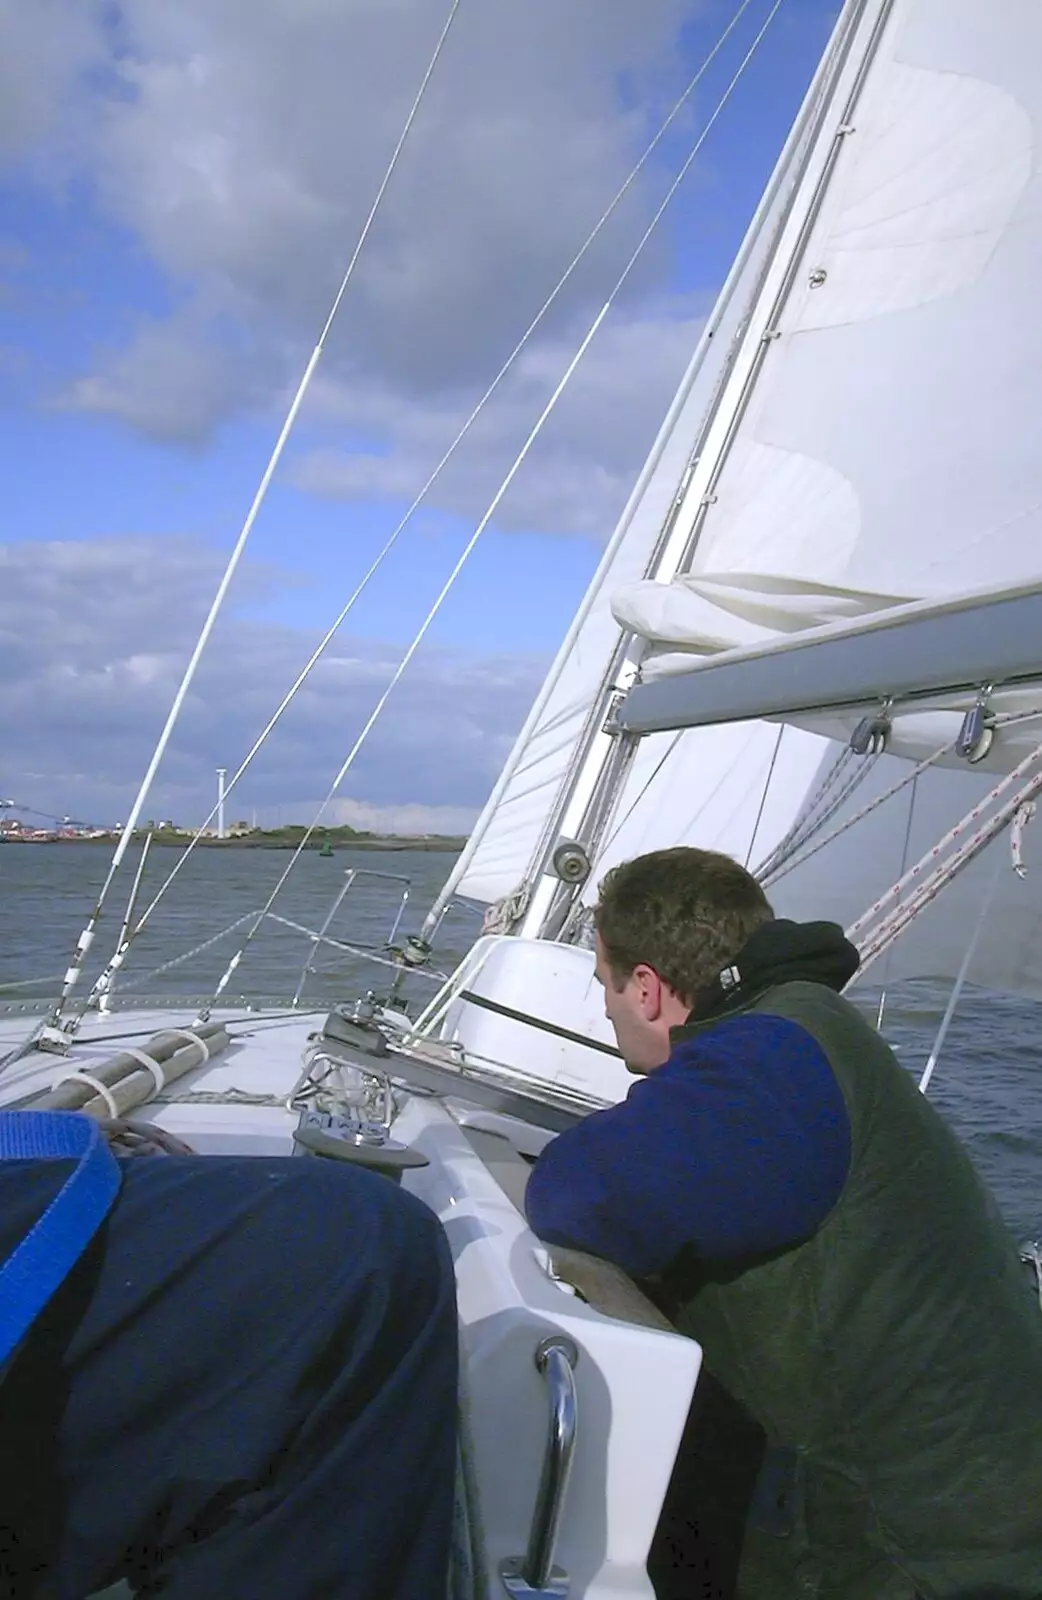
(649, 988)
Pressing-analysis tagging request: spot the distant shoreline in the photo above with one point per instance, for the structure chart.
(273, 841)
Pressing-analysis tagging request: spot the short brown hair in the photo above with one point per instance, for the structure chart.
(684, 912)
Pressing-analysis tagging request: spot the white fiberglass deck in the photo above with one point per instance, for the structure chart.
(634, 1384)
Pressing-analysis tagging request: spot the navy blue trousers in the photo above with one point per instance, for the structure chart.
(247, 1388)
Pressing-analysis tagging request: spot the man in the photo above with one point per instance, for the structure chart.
(245, 1388)
(795, 1205)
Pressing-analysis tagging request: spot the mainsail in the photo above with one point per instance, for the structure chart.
(871, 443)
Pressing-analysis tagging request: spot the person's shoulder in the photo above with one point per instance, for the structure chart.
(749, 1051)
(743, 1033)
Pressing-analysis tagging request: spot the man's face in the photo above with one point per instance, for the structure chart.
(641, 1013)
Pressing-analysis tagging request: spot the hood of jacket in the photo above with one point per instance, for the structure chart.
(779, 952)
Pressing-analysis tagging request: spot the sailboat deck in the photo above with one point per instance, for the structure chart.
(509, 1300)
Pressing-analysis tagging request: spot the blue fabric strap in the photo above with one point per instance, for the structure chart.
(50, 1250)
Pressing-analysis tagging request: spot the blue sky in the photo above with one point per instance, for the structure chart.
(179, 189)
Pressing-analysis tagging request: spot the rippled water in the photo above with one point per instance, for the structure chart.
(988, 1082)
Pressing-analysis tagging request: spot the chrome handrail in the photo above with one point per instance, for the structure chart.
(534, 1573)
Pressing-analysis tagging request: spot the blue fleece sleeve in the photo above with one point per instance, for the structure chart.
(739, 1144)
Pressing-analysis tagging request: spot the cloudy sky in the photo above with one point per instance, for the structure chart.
(181, 185)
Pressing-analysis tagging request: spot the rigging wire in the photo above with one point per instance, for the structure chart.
(436, 472)
(417, 640)
(501, 491)
(957, 987)
(579, 911)
(48, 816)
(104, 983)
(848, 788)
(905, 849)
(790, 864)
(641, 795)
(87, 936)
(763, 797)
(807, 819)
(790, 847)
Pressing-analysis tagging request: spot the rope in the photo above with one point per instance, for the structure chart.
(954, 833)
(911, 777)
(435, 474)
(496, 499)
(813, 828)
(787, 841)
(772, 867)
(219, 1097)
(890, 926)
(1016, 836)
(504, 912)
(72, 976)
(913, 793)
(198, 949)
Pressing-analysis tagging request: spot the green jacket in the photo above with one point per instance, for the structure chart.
(898, 1353)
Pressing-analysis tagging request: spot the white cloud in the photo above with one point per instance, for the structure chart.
(45, 47)
(241, 148)
(88, 684)
(579, 472)
(170, 383)
(246, 157)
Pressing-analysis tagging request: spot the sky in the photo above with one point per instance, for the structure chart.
(181, 187)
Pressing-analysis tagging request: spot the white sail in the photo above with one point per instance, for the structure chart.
(889, 443)
(506, 835)
(886, 451)
(873, 444)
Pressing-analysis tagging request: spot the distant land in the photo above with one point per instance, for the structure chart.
(240, 836)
